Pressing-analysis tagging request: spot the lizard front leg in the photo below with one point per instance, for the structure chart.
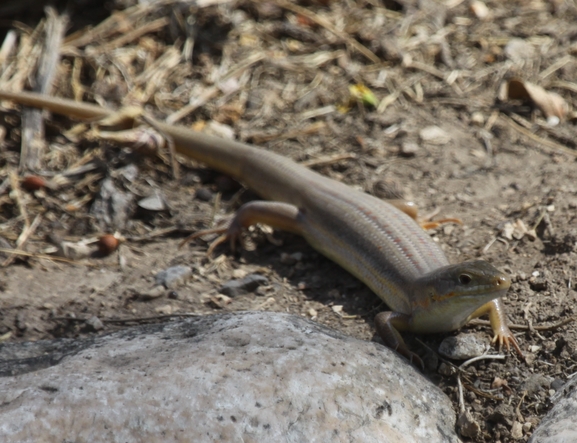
(502, 333)
(388, 324)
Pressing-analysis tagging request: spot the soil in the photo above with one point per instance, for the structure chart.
(495, 164)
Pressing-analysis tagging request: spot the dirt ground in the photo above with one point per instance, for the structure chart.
(279, 76)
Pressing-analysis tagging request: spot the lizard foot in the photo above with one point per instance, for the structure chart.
(232, 233)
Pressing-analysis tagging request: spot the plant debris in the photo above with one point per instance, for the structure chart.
(428, 112)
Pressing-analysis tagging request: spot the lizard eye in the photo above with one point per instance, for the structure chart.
(465, 279)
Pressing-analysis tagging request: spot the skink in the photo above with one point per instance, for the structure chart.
(372, 239)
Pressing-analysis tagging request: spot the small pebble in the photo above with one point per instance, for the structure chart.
(234, 288)
(95, 323)
(503, 413)
(156, 292)
(239, 273)
(291, 259)
(467, 425)
(409, 149)
(165, 310)
(462, 346)
(73, 251)
(203, 194)
(535, 383)
(172, 277)
(447, 370)
(477, 118)
(435, 135)
(538, 284)
(517, 430)
(557, 384)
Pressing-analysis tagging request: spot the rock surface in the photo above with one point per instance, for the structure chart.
(251, 377)
(559, 425)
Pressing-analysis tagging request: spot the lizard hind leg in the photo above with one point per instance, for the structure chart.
(411, 210)
(275, 214)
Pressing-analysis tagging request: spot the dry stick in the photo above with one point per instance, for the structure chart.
(42, 256)
(4, 185)
(482, 357)
(152, 234)
(329, 27)
(7, 47)
(213, 91)
(518, 408)
(461, 396)
(555, 67)
(328, 159)
(32, 122)
(118, 23)
(528, 319)
(22, 239)
(17, 192)
(547, 144)
(128, 319)
(135, 34)
(28, 228)
(481, 393)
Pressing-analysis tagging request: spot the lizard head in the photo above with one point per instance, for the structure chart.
(449, 295)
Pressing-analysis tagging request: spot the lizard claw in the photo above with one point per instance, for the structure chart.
(505, 337)
(414, 359)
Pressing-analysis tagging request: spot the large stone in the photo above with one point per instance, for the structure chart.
(250, 377)
(559, 425)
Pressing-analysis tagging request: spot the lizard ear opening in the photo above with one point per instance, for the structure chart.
(465, 279)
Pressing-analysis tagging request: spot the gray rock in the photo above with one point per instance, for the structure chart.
(559, 425)
(535, 383)
(234, 288)
(174, 276)
(259, 377)
(95, 323)
(462, 346)
(203, 194)
(112, 207)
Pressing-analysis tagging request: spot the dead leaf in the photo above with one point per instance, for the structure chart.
(551, 104)
(517, 230)
(501, 383)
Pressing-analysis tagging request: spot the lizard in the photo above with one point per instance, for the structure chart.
(372, 239)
